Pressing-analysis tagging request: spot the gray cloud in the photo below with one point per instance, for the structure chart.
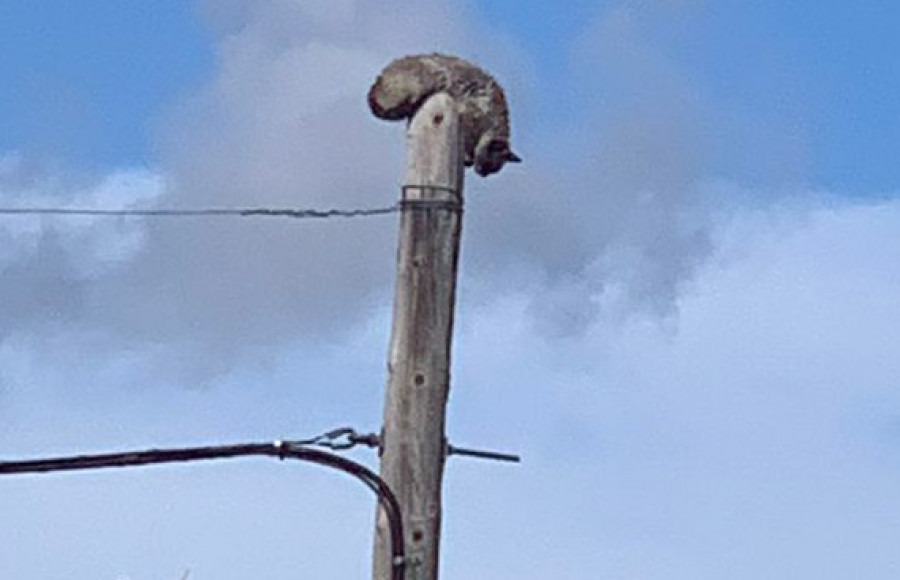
(283, 122)
(613, 210)
(759, 441)
(607, 214)
(615, 217)
(50, 267)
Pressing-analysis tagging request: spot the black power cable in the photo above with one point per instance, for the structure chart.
(279, 449)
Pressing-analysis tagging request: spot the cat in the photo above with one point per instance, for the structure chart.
(406, 83)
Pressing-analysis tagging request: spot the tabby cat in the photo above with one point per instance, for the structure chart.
(406, 83)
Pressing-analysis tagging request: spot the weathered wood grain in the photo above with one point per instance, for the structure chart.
(413, 441)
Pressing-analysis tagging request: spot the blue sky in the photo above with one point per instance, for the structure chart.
(680, 309)
(85, 83)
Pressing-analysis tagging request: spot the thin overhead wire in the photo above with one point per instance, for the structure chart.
(405, 204)
(202, 212)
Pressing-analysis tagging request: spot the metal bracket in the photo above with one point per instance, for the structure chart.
(492, 455)
(344, 438)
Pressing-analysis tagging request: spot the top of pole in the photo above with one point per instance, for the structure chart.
(434, 152)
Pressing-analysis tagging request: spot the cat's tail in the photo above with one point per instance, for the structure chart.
(387, 103)
(393, 97)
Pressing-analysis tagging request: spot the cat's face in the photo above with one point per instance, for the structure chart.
(491, 158)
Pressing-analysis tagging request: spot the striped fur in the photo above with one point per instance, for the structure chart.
(407, 82)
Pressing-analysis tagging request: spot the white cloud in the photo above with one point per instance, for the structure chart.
(759, 440)
(752, 435)
(607, 215)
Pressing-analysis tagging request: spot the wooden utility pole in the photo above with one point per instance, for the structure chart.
(413, 441)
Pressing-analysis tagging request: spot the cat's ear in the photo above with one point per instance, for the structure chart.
(512, 157)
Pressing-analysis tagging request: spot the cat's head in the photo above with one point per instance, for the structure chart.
(492, 154)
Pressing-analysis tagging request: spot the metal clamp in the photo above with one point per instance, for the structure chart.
(454, 203)
(344, 438)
